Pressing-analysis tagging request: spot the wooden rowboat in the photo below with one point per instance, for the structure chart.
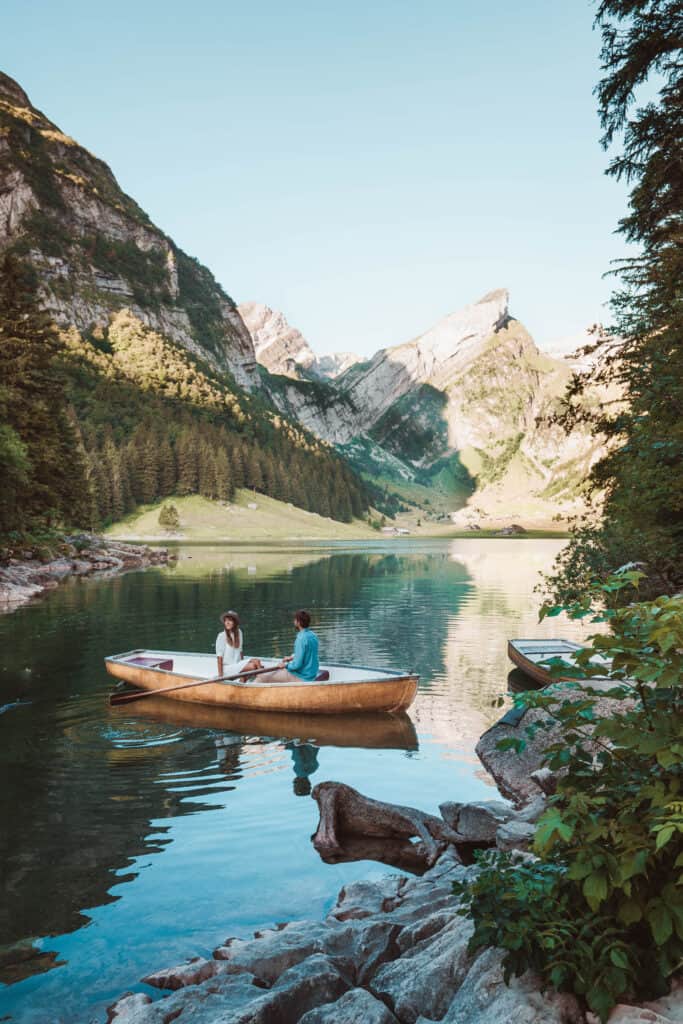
(349, 688)
(528, 654)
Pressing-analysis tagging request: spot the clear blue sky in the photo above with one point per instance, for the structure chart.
(365, 167)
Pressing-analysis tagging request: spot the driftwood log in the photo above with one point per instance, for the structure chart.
(346, 815)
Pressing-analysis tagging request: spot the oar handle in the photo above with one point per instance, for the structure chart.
(128, 698)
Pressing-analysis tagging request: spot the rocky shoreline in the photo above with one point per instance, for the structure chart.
(392, 951)
(23, 579)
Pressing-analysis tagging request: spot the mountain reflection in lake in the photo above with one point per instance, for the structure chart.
(133, 837)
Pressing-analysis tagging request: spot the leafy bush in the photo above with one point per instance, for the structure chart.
(169, 518)
(600, 913)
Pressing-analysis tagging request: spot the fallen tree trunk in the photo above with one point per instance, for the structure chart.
(344, 812)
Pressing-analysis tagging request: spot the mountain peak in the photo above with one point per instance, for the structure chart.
(499, 297)
(11, 92)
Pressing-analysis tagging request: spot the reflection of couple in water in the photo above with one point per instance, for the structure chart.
(301, 666)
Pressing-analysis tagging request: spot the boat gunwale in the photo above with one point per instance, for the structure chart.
(535, 669)
(390, 675)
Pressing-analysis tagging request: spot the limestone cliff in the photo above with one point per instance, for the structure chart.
(282, 349)
(96, 251)
(464, 409)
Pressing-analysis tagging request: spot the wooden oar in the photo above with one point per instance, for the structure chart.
(128, 698)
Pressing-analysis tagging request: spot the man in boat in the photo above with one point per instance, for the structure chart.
(302, 666)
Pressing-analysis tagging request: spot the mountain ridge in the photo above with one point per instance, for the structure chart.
(96, 250)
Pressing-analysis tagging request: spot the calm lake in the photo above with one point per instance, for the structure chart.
(134, 837)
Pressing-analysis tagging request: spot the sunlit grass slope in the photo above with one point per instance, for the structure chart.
(204, 520)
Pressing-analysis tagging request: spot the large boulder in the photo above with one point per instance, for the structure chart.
(366, 899)
(354, 1007)
(476, 822)
(128, 1008)
(667, 1010)
(191, 973)
(364, 944)
(512, 771)
(426, 977)
(515, 835)
(484, 998)
(274, 950)
(226, 999)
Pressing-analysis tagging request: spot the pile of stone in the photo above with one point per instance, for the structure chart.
(390, 951)
(393, 951)
(22, 579)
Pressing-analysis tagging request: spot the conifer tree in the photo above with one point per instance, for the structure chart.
(46, 478)
(188, 463)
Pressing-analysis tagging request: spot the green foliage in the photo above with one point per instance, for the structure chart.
(640, 474)
(415, 426)
(169, 518)
(40, 447)
(199, 294)
(146, 271)
(494, 467)
(601, 913)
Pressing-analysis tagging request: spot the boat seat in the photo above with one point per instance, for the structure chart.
(164, 663)
(322, 676)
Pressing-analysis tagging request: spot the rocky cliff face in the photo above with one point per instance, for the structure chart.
(282, 349)
(466, 407)
(96, 251)
(279, 347)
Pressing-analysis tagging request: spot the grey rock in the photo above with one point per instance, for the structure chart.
(191, 973)
(424, 928)
(366, 899)
(427, 976)
(667, 1010)
(365, 944)
(312, 983)
(484, 998)
(59, 569)
(128, 1008)
(354, 1007)
(476, 822)
(532, 811)
(274, 951)
(225, 1000)
(515, 835)
(545, 780)
(516, 774)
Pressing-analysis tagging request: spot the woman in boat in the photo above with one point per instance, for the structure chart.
(229, 645)
(302, 666)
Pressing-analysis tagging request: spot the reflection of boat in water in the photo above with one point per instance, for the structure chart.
(380, 730)
(340, 689)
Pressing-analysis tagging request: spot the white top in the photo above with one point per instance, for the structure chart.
(230, 655)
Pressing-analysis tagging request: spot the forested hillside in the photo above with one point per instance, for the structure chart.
(127, 372)
(95, 425)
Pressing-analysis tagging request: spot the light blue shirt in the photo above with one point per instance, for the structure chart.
(305, 662)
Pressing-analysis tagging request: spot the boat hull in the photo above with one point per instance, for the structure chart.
(540, 673)
(380, 694)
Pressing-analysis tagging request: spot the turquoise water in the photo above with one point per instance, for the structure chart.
(135, 837)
